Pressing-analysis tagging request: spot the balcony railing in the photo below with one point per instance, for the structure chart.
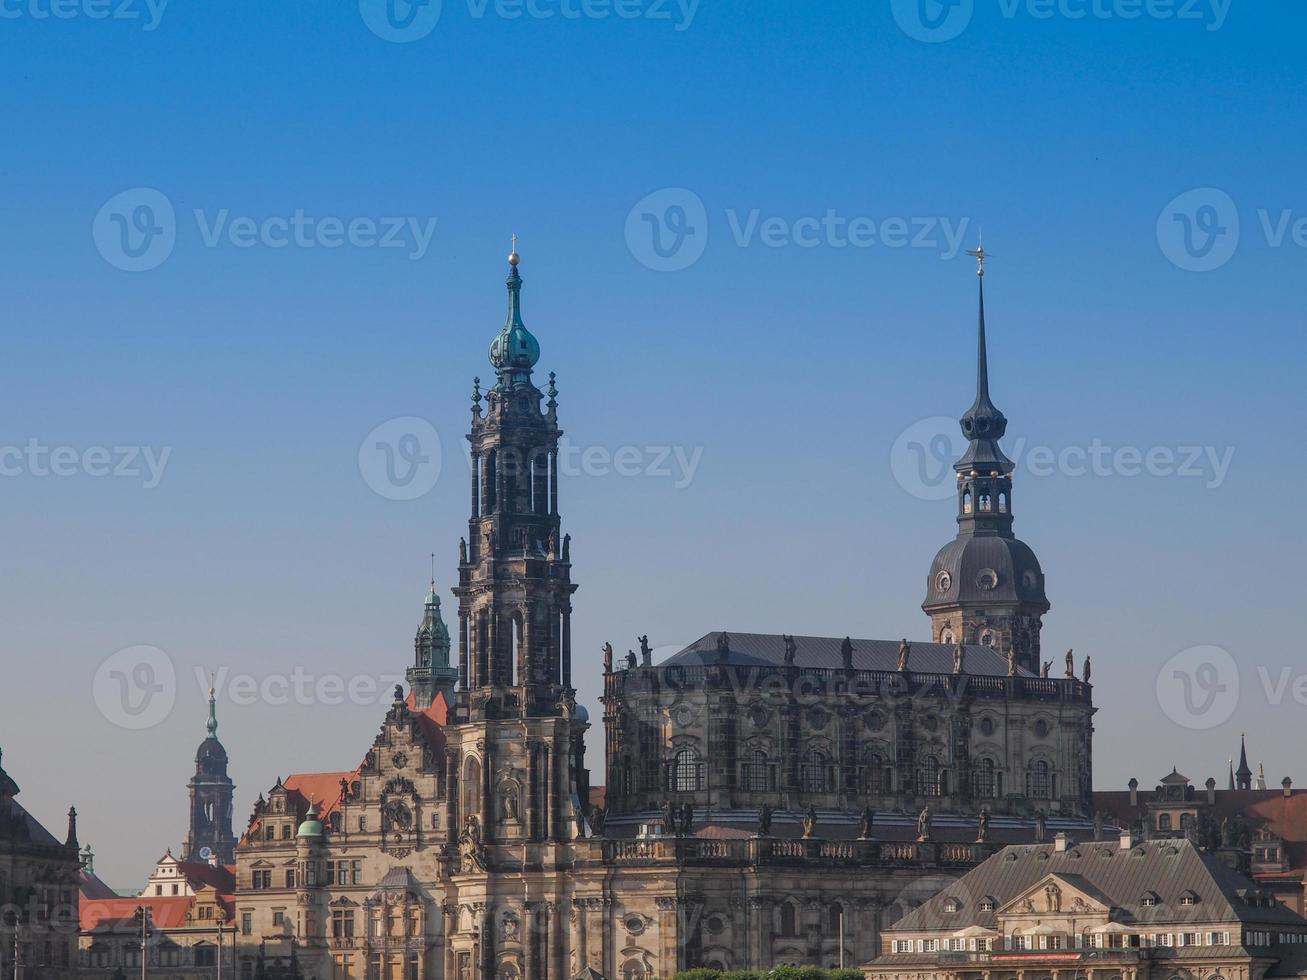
(776, 850)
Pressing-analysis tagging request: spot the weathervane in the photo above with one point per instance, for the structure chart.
(979, 254)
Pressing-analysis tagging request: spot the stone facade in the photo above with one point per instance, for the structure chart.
(38, 894)
(765, 795)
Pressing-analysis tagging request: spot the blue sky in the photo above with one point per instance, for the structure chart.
(791, 360)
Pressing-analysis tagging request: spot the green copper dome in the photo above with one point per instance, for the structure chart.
(514, 351)
(311, 827)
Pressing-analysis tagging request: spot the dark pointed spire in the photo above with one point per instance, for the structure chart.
(1231, 774)
(983, 424)
(71, 841)
(1243, 775)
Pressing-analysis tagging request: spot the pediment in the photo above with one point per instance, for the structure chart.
(1058, 894)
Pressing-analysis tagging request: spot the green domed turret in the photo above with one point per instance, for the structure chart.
(311, 828)
(514, 351)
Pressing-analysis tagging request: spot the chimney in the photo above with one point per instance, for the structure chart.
(1211, 791)
(1134, 791)
(1287, 783)
(1127, 839)
(1060, 842)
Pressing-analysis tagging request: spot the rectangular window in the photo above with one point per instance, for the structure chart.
(278, 919)
(247, 923)
(262, 878)
(356, 872)
(290, 878)
(342, 923)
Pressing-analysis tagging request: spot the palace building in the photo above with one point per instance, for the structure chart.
(768, 799)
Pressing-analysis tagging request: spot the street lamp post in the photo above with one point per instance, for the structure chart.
(222, 921)
(143, 914)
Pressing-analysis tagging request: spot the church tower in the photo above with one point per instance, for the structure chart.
(431, 672)
(986, 586)
(515, 732)
(210, 836)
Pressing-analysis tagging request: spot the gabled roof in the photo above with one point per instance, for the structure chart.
(200, 873)
(1121, 877)
(824, 652)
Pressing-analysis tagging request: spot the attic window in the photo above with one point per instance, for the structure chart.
(952, 905)
(1188, 898)
(987, 904)
(1149, 901)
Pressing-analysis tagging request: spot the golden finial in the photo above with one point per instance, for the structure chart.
(979, 254)
(513, 257)
(213, 680)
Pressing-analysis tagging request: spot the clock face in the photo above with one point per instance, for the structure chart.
(987, 579)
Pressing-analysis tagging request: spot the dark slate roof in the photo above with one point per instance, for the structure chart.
(1168, 868)
(35, 833)
(768, 650)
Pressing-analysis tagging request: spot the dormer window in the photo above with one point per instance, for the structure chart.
(987, 904)
(1149, 900)
(952, 905)
(1189, 898)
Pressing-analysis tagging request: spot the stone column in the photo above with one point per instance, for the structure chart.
(530, 942)
(487, 790)
(451, 795)
(487, 944)
(476, 476)
(566, 646)
(553, 482)
(532, 788)
(551, 819)
(581, 935)
(462, 650)
(449, 923)
(557, 970)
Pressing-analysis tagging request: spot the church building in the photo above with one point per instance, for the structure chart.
(768, 799)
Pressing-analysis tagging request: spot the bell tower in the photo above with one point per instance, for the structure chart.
(514, 589)
(986, 586)
(431, 672)
(210, 837)
(516, 753)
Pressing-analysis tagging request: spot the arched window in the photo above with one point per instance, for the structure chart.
(1002, 503)
(984, 780)
(929, 777)
(1186, 821)
(633, 970)
(472, 789)
(966, 501)
(1164, 821)
(984, 503)
(1039, 781)
(757, 773)
(876, 776)
(789, 925)
(815, 774)
(835, 916)
(687, 772)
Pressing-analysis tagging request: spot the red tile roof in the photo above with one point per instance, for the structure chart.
(111, 913)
